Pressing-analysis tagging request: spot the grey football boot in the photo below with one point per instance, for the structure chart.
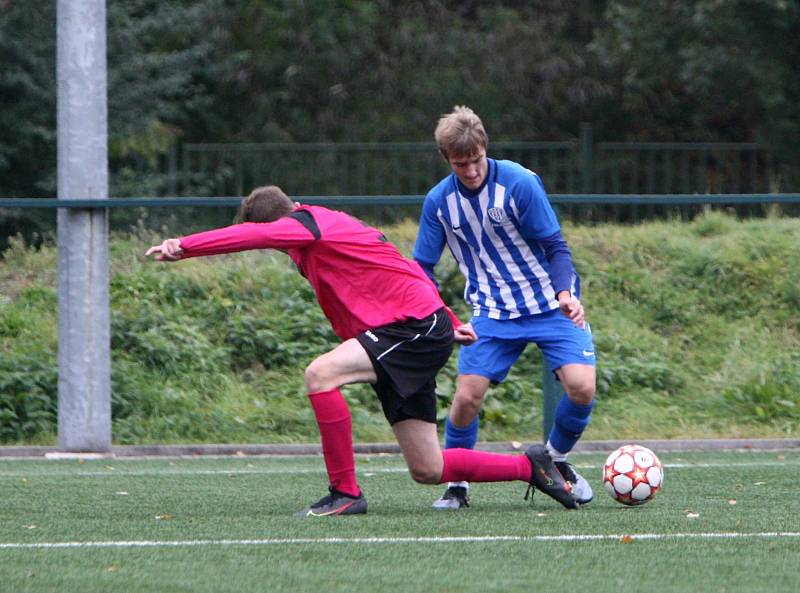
(335, 503)
(580, 487)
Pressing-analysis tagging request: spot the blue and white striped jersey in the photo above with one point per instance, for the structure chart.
(494, 236)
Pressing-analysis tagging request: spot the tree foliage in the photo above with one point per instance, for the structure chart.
(384, 71)
(158, 65)
(376, 70)
(158, 69)
(27, 98)
(719, 70)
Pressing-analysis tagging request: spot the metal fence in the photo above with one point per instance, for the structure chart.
(352, 168)
(682, 167)
(411, 168)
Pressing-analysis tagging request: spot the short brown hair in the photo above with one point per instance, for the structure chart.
(264, 204)
(460, 133)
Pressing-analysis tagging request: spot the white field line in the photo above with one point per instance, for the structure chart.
(182, 471)
(191, 472)
(400, 540)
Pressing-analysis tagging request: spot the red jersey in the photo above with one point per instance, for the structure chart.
(360, 279)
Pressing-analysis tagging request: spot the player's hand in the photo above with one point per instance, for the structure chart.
(571, 307)
(465, 334)
(169, 250)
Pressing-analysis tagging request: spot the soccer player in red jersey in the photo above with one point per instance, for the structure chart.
(396, 335)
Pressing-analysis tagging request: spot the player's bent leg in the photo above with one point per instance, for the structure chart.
(347, 363)
(419, 443)
(336, 435)
(468, 399)
(534, 468)
(428, 464)
(461, 431)
(573, 414)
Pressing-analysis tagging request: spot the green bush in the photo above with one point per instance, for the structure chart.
(695, 327)
(28, 395)
(172, 346)
(773, 395)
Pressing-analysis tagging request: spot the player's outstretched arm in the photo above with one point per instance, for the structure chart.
(169, 250)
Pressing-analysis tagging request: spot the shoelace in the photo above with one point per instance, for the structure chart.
(529, 493)
(531, 490)
(566, 470)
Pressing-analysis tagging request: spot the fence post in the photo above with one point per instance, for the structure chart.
(172, 170)
(586, 164)
(550, 395)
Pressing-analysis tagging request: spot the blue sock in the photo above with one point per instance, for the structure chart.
(570, 421)
(460, 438)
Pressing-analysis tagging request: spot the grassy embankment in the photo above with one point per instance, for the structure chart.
(696, 327)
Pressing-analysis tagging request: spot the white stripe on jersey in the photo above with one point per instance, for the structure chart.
(455, 247)
(462, 249)
(484, 262)
(517, 275)
(544, 279)
(483, 265)
(506, 273)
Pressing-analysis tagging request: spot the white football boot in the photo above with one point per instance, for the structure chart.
(455, 497)
(580, 487)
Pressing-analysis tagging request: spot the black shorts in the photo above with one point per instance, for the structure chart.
(406, 357)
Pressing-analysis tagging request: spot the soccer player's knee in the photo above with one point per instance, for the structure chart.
(582, 391)
(424, 474)
(468, 402)
(315, 378)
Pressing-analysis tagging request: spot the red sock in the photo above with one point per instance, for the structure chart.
(468, 465)
(335, 428)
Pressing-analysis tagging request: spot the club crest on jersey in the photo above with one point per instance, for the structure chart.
(497, 215)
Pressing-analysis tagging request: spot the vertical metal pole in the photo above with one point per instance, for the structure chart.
(172, 170)
(587, 166)
(551, 392)
(84, 361)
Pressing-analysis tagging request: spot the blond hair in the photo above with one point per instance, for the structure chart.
(265, 204)
(460, 133)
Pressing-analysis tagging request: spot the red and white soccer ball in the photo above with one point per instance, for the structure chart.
(633, 475)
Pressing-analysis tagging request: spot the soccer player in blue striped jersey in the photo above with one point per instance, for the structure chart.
(495, 218)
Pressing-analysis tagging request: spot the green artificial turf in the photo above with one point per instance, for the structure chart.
(724, 522)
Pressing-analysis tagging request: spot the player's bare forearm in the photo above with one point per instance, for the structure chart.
(169, 250)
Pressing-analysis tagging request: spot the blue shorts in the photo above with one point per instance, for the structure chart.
(500, 344)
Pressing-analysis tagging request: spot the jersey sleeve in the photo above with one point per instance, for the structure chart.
(428, 269)
(562, 270)
(536, 216)
(430, 237)
(284, 233)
